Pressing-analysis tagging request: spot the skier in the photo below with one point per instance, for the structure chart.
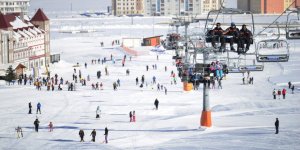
(81, 134)
(106, 134)
(156, 102)
(19, 132)
(290, 84)
(30, 106)
(36, 125)
(274, 94)
(93, 134)
(50, 127)
(133, 116)
(38, 106)
(277, 126)
(279, 93)
(283, 93)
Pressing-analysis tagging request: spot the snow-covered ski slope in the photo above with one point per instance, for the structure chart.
(243, 115)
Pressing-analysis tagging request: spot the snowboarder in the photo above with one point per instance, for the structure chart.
(93, 134)
(283, 93)
(38, 107)
(130, 116)
(36, 125)
(290, 84)
(81, 134)
(106, 134)
(133, 116)
(277, 126)
(274, 94)
(156, 102)
(50, 127)
(30, 106)
(19, 132)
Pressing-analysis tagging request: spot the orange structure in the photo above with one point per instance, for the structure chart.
(187, 86)
(151, 41)
(272, 6)
(206, 119)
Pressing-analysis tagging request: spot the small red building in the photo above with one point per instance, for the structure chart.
(151, 41)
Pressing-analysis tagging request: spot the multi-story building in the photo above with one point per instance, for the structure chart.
(263, 6)
(127, 7)
(14, 6)
(24, 40)
(209, 5)
(172, 7)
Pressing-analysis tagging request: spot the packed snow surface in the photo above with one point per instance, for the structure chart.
(243, 116)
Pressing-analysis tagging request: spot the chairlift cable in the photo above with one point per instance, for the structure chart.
(275, 19)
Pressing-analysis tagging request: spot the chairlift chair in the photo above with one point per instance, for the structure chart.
(272, 45)
(225, 11)
(292, 33)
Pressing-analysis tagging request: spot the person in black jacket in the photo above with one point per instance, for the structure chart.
(156, 102)
(106, 134)
(277, 126)
(234, 32)
(245, 36)
(217, 34)
(36, 125)
(81, 134)
(30, 106)
(93, 134)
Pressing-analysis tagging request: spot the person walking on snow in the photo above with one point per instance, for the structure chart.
(290, 84)
(283, 93)
(106, 134)
(30, 106)
(50, 127)
(277, 126)
(133, 116)
(81, 135)
(93, 134)
(130, 116)
(293, 87)
(156, 102)
(36, 125)
(274, 94)
(98, 111)
(279, 93)
(38, 107)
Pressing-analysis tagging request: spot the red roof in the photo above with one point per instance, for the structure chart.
(39, 16)
(4, 22)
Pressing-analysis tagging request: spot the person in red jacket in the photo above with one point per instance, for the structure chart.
(283, 92)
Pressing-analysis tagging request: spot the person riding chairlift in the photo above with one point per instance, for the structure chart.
(217, 34)
(245, 36)
(234, 32)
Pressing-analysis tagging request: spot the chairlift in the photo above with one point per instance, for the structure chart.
(230, 12)
(272, 50)
(292, 30)
(242, 66)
